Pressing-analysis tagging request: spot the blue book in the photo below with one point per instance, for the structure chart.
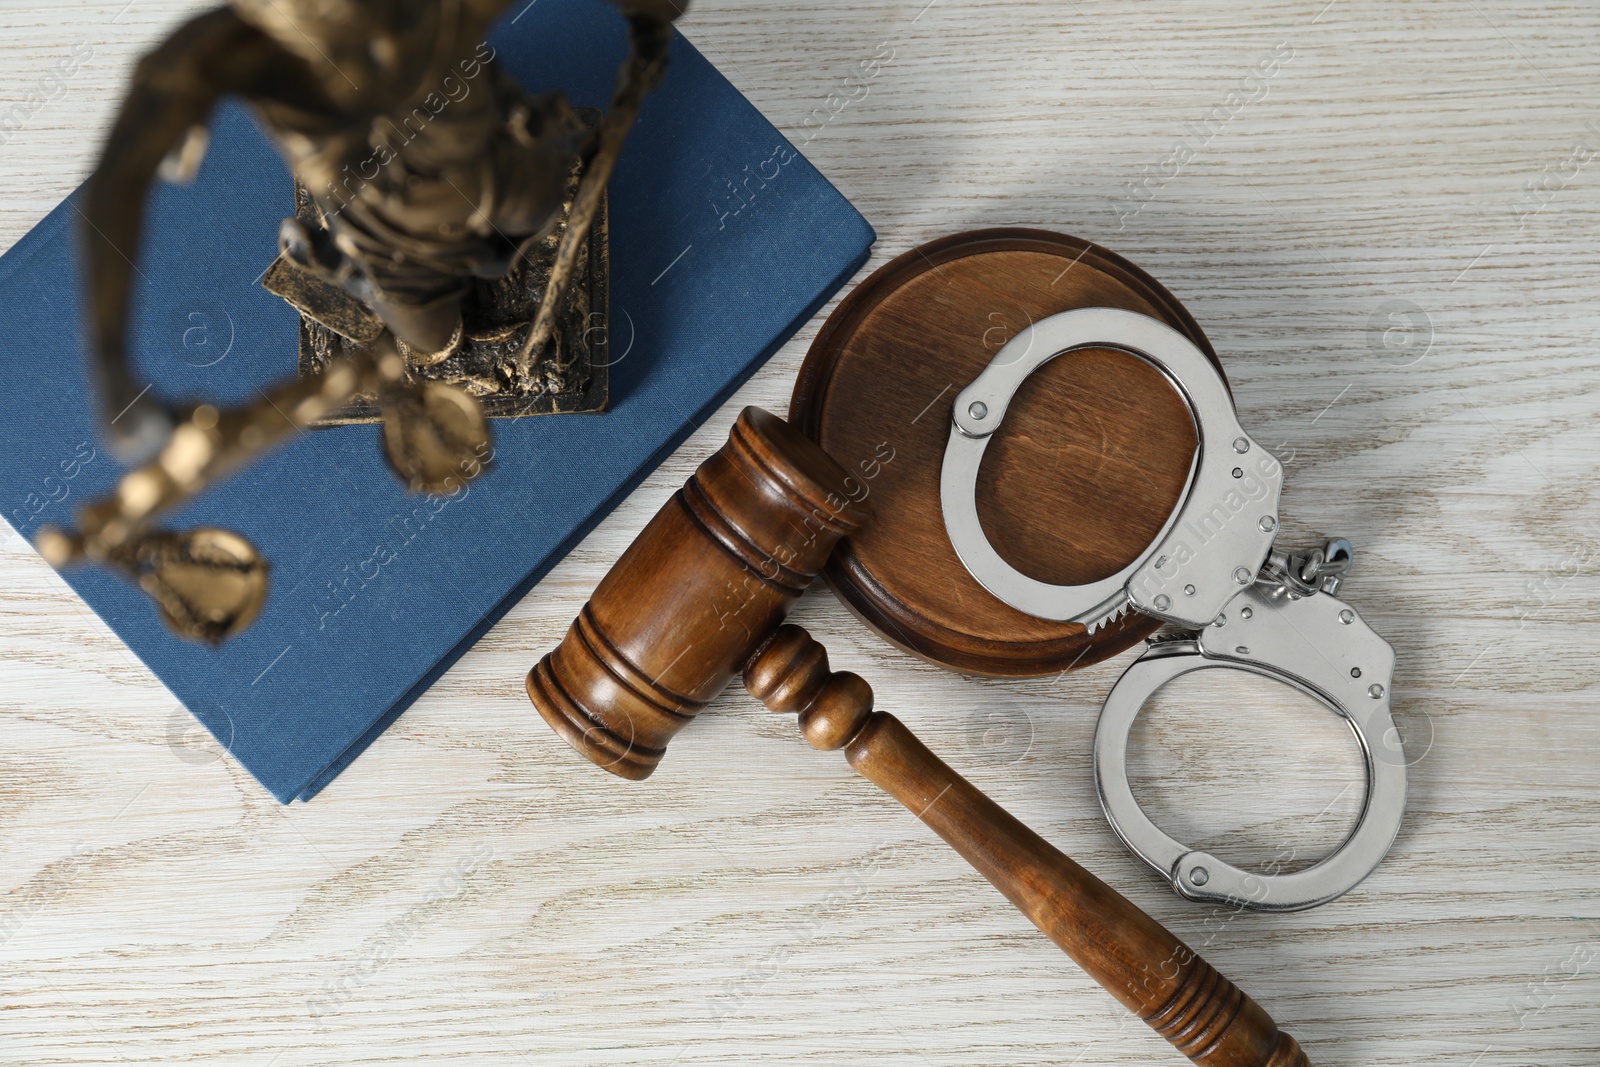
(375, 593)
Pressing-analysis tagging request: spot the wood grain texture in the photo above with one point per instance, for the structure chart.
(469, 892)
(704, 586)
(1090, 463)
(1136, 959)
(701, 596)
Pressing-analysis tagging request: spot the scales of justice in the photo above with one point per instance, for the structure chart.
(447, 253)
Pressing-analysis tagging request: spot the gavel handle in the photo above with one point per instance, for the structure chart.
(1139, 961)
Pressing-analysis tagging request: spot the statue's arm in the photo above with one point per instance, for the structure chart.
(174, 91)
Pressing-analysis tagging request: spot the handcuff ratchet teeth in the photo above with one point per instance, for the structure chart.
(1213, 573)
(1214, 542)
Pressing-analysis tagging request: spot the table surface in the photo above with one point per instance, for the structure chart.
(1385, 220)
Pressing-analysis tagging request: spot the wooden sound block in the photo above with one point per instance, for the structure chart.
(1089, 463)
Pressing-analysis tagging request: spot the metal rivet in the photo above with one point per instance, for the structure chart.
(1247, 612)
(1163, 602)
(1238, 472)
(1268, 523)
(1375, 691)
(978, 409)
(1243, 650)
(1347, 616)
(1188, 590)
(1199, 876)
(1241, 445)
(1242, 576)
(1355, 672)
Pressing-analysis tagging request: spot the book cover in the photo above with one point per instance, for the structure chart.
(724, 240)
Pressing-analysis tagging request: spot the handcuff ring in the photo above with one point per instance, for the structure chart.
(1318, 645)
(1212, 571)
(1224, 521)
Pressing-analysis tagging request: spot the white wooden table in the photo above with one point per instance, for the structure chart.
(1402, 321)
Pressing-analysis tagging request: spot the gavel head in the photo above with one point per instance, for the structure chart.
(704, 585)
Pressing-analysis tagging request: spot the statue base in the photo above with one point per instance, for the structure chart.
(497, 315)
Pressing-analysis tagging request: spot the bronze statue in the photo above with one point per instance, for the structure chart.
(423, 174)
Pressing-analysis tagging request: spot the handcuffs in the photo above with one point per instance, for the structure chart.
(1233, 601)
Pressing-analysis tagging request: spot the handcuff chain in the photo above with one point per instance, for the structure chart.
(1284, 575)
(1323, 570)
(1228, 596)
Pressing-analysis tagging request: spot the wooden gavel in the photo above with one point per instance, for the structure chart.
(701, 596)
